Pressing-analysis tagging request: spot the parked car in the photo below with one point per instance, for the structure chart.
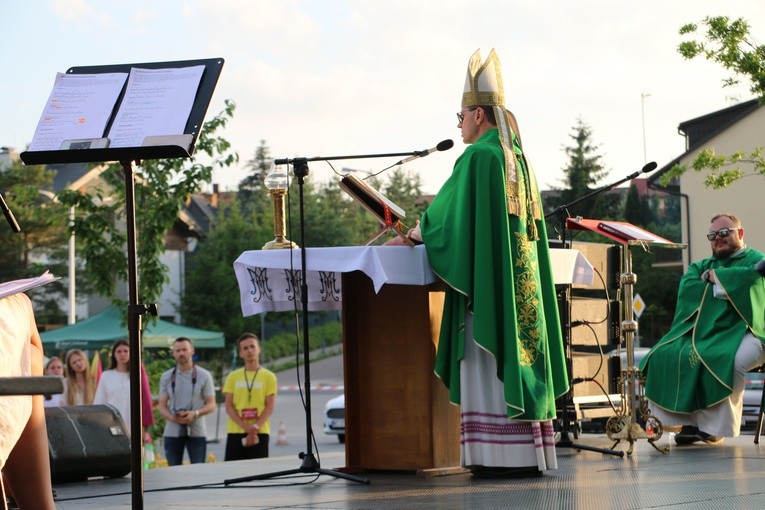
(334, 417)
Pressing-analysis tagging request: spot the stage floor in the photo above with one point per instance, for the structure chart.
(694, 477)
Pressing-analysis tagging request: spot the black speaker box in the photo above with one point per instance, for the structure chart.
(586, 366)
(87, 441)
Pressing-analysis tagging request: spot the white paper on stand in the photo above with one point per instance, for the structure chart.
(79, 106)
(156, 102)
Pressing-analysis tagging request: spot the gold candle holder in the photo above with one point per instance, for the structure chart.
(277, 181)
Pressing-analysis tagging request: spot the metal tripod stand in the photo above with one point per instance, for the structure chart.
(624, 425)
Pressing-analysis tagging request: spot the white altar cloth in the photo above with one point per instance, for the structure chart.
(269, 279)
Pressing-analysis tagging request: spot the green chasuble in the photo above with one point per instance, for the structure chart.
(691, 367)
(493, 268)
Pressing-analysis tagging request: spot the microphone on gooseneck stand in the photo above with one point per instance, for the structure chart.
(648, 167)
(443, 145)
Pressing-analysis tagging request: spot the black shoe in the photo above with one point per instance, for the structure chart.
(687, 435)
(709, 439)
(504, 472)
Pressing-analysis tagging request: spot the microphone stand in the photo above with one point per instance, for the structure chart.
(565, 440)
(9, 216)
(309, 463)
(648, 167)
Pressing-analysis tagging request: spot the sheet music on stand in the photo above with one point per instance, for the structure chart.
(111, 113)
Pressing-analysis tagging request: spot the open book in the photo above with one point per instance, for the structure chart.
(140, 108)
(630, 232)
(620, 231)
(387, 213)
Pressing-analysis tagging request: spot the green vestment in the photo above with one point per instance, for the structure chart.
(495, 269)
(691, 367)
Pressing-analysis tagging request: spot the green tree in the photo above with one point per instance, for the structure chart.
(636, 208)
(405, 190)
(333, 218)
(42, 242)
(162, 187)
(730, 44)
(583, 171)
(251, 190)
(211, 293)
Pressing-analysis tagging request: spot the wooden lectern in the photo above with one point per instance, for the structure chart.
(398, 414)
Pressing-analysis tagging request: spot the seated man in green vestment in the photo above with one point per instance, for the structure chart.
(695, 375)
(500, 349)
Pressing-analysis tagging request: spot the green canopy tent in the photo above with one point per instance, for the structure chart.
(104, 328)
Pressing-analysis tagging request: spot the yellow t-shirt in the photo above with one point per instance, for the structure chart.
(249, 390)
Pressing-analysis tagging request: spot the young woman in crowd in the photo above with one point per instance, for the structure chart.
(80, 385)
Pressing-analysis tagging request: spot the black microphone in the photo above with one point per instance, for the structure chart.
(648, 167)
(759, 267)
(442, 146)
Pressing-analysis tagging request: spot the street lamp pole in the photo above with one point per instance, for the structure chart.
(72, 312)
(72, 303)
(643, 95)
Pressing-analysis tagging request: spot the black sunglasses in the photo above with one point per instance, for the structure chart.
(723, 233)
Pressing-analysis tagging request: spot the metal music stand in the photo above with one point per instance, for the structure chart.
(624, 425)
(181, 147)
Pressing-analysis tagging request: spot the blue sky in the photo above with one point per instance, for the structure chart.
(327, 78)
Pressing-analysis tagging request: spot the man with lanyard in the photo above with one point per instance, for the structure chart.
(695, 375)
(186, 394)
(250, 394)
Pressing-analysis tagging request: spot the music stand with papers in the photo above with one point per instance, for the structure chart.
(126, 113)
(624, 425)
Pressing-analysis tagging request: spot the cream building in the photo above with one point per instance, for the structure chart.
(737, 128)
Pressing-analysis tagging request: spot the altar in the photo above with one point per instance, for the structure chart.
(397, 412)
(269, 279)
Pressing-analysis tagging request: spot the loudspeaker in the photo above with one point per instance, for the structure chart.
(604, 370)
(594, 322)
(87, 441)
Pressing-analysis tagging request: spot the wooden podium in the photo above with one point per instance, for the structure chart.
(398, 414)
